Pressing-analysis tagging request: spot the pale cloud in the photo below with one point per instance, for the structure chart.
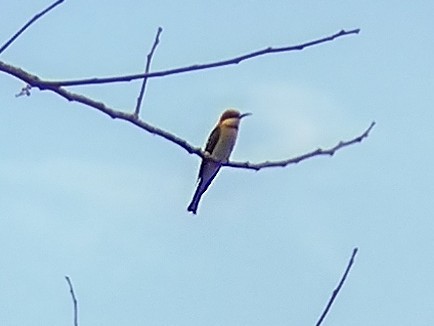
(293, 119)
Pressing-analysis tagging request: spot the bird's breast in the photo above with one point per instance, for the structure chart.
(225, 144)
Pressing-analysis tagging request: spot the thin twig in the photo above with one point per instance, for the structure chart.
(34, 81)
(196, 67)
(148, 66)
(74, 300)
(338, 288)
(30, 22)
(295, 160)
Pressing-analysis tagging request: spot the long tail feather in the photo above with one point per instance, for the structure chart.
(200, 190)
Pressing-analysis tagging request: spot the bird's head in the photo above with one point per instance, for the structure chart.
(231, 118)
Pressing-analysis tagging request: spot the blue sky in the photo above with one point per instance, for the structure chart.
(105, 202)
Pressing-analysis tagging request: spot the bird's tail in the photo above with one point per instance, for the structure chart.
(195, 201)
(204, 182)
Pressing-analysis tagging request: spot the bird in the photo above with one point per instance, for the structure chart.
(220, 144)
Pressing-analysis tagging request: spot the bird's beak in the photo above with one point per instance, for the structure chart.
(245, 115)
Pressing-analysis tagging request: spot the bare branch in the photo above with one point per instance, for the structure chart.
(34, 81)
(148, 66)
(27, 25)
(74, 300)
(338, 288)
(318, 152)
(196, 67)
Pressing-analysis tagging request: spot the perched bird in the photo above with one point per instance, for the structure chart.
(220, 144)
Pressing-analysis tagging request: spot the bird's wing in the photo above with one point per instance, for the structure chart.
(209, 147)
(212, 140)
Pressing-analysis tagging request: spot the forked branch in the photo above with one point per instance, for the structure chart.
(36, 82)
(57, 87)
